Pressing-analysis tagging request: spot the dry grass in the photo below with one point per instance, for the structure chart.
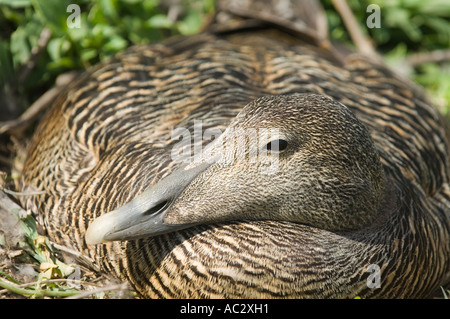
(32, 266)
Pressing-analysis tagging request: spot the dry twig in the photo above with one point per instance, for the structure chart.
(36, 52)
(436, 56)
(362, 42)
(36, 109)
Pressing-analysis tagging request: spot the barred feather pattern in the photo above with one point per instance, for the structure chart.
(108, 137)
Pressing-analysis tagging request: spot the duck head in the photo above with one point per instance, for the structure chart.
(303, 158)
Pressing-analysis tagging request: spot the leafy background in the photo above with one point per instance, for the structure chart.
(36, 45)
(408, 27)
(107, 27)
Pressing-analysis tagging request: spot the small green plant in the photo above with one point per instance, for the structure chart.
(52, 272)
(38, 40)
(408, 29)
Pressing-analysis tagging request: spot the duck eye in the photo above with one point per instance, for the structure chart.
(277, 145)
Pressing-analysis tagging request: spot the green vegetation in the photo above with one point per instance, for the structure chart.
(30, 267)
(408, 28)
(33, 249)
(28, 67)
(38, 42)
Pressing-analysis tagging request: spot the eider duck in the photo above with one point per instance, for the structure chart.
(247, 163)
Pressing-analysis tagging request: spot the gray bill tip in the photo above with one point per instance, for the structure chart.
(98, 230)
(144, 215)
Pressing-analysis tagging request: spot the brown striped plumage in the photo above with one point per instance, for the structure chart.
(108, 138)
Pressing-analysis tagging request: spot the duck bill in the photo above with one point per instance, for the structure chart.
(144, 215)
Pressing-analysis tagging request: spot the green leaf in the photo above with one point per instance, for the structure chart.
(63, 63)
(16, 3)
(57, 47)
(88, 55)
(109, 9)
(436, 80)
(20, 48)
(148, 5)
(116, 44)
(191, 24)
(24, 39)
(54, 14)
(435, 8)
(159, 21)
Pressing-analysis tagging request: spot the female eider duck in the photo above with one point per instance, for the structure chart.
(247, 164)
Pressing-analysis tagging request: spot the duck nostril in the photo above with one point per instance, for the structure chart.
(157, 208)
